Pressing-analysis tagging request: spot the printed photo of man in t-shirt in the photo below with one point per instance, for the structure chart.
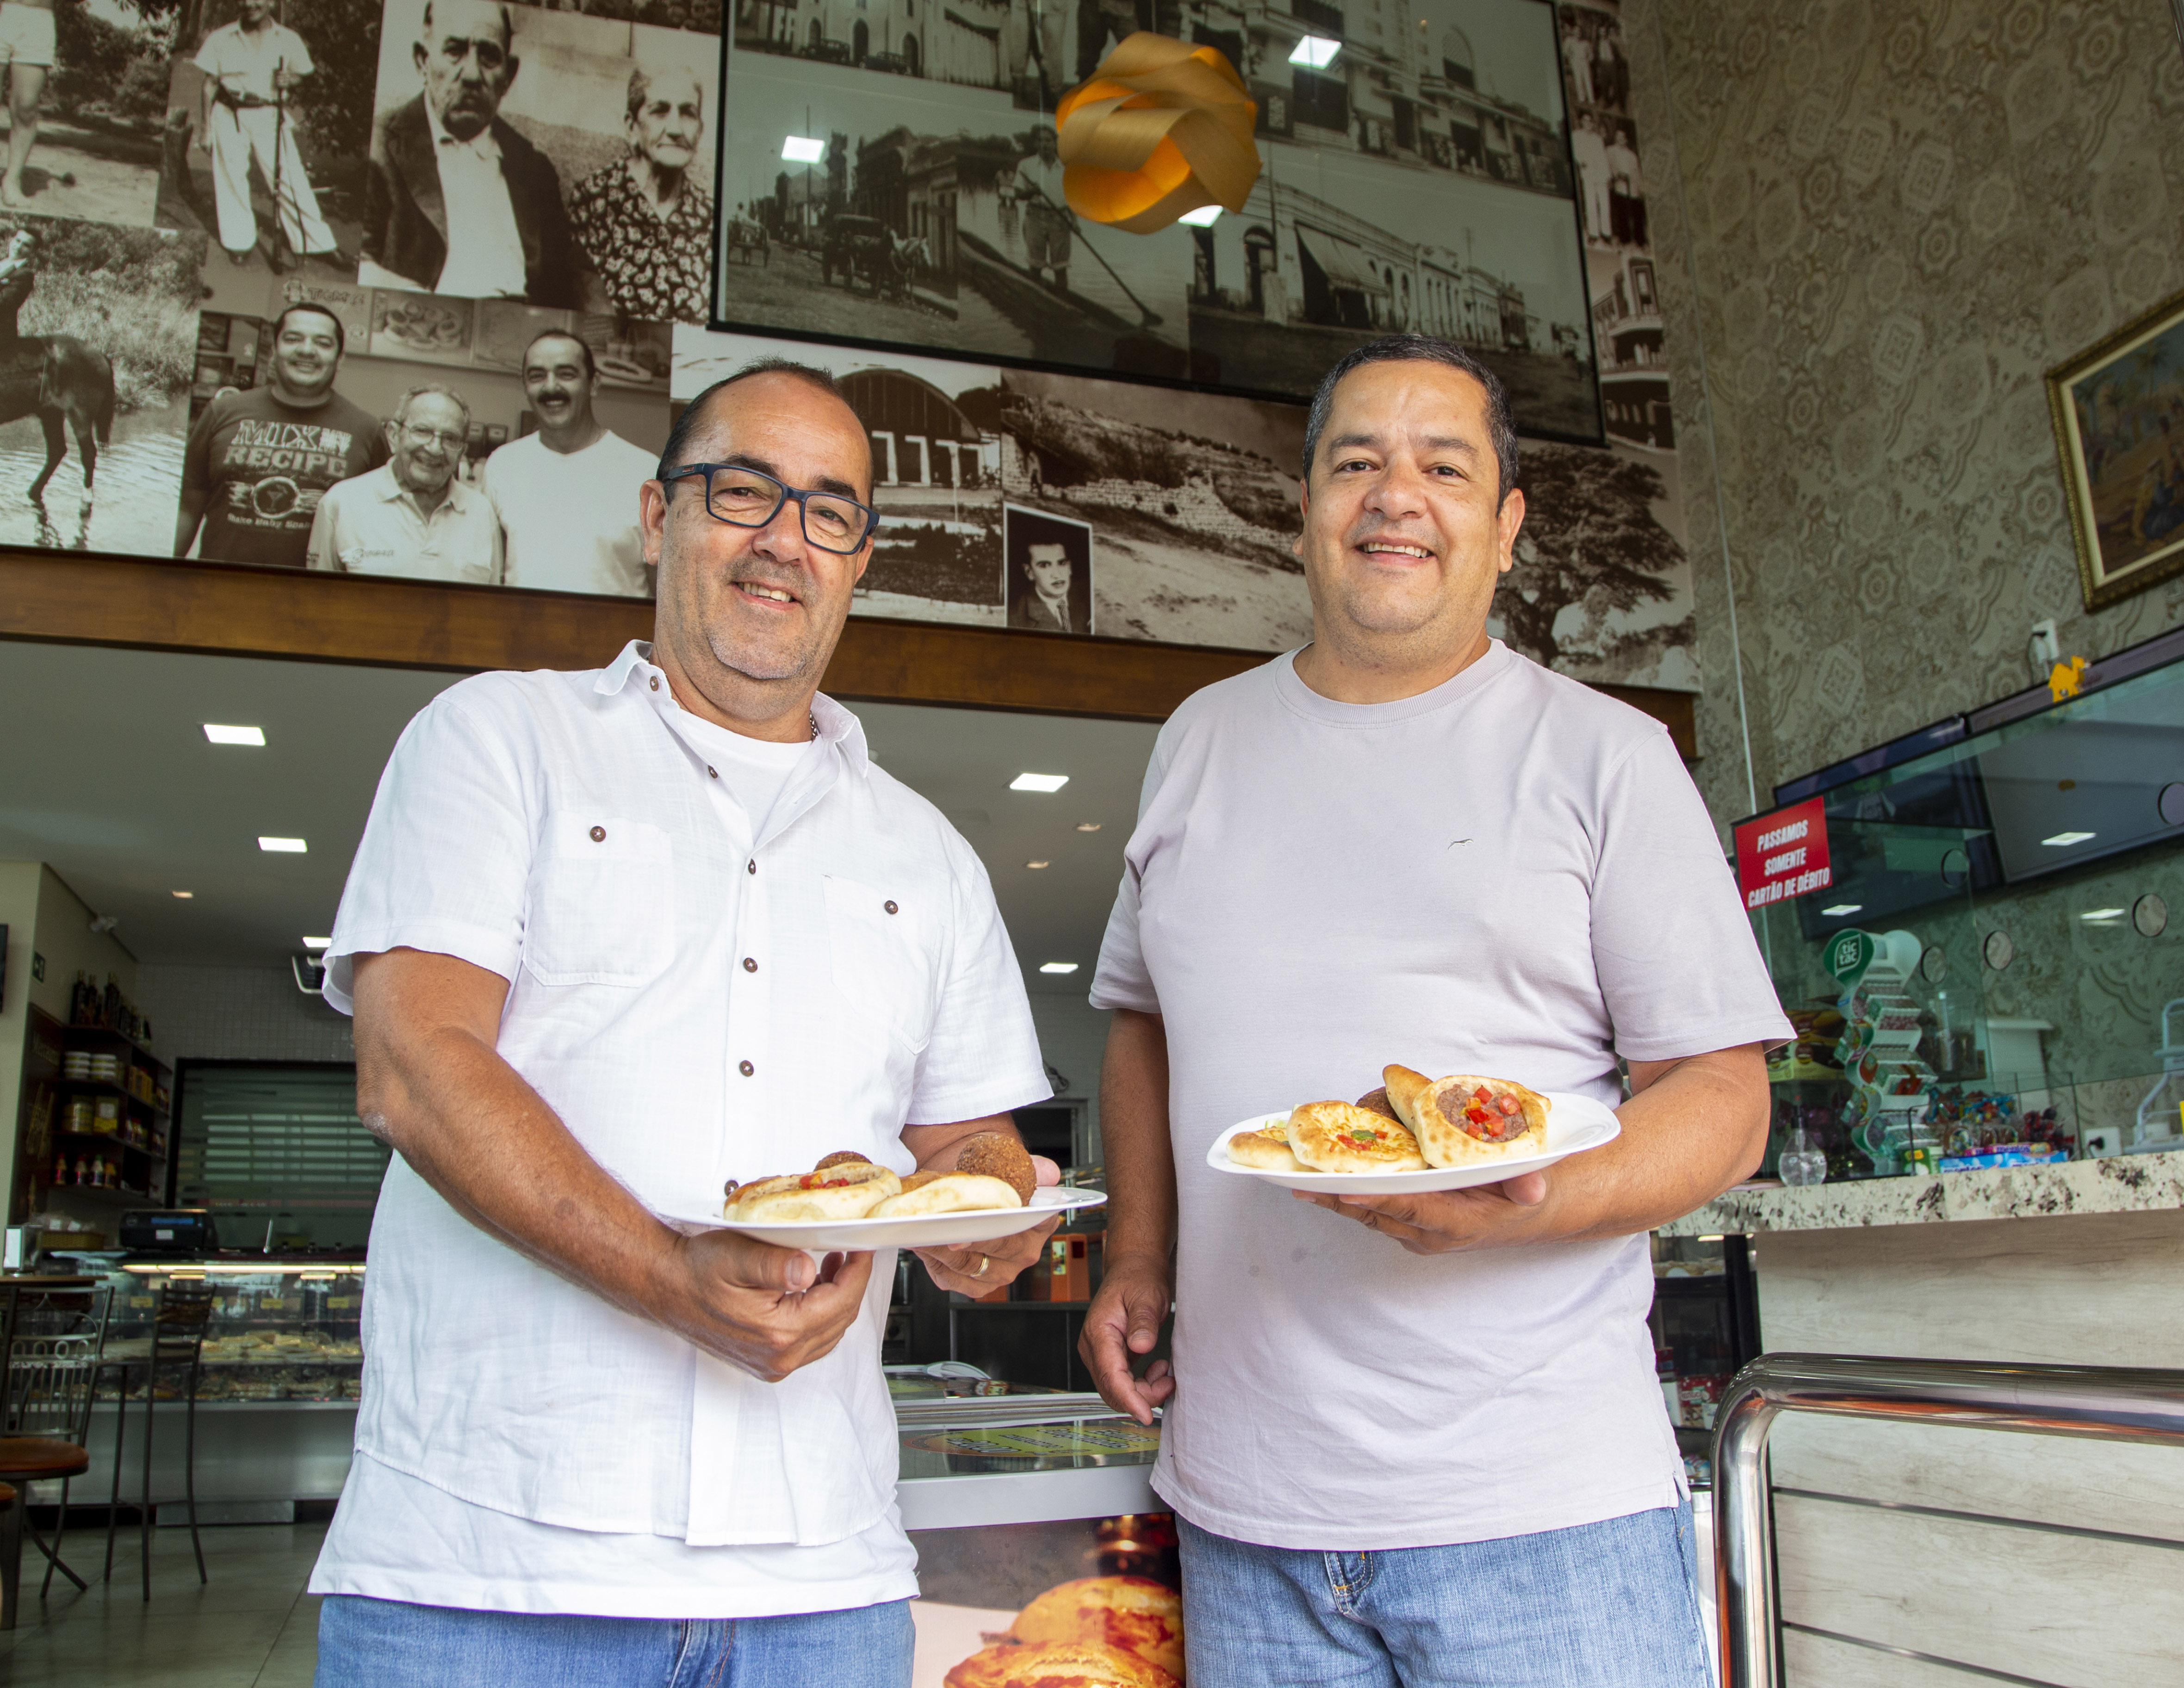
(258, 462)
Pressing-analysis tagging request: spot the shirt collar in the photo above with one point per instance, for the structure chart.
(481, 143)
(837, 726)
(392, 489)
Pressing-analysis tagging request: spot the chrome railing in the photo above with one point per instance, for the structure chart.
(2114, 1403)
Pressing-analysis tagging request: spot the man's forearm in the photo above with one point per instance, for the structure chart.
(188, 515)
(1134, 1141)
(474, 1130)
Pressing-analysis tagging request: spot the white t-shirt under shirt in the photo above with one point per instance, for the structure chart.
(570, 517)
(1508, 874)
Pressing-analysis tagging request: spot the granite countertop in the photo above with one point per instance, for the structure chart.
(2121, 1183)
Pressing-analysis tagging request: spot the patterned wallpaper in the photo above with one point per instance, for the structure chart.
(1878, 225)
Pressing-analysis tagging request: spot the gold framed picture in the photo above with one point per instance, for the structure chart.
(2118, 414)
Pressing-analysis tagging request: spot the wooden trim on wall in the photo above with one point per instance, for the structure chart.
(217, 609)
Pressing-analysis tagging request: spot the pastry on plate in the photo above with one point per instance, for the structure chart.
(1342, 1137)
(1057, 1665)
(1135, 1613)
(849, 1190)
(999, 1155)
(1268, 1149)
(923, 1194)
(1467, 1118)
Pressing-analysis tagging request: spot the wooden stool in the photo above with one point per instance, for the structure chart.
(26, 1460)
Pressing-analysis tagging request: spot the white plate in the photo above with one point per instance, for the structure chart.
(1574, 1124)
(925, 1231)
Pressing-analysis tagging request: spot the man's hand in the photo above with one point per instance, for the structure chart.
(1442, 1222)
(1124, 1319)
(204, 141)
(770, 1311)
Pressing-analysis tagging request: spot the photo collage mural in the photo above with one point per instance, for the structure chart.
(1076, 430)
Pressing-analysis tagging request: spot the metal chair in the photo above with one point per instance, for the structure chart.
(11, 1554)
(178, 1333)
(54, 1358)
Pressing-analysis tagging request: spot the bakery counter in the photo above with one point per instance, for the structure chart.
(1899, 1536)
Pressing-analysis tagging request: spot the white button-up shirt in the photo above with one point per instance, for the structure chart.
(696, 1003)
(485, 248)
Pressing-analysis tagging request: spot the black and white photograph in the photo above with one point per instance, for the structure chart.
(555, 157)
(98, 329)
(86, 90)
(1050, 571)
(1328, 253)
(268, 115)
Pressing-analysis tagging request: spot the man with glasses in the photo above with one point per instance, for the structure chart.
(566, 495)
(455, 201)
(612, 939)
(413, 515)
(258, 462)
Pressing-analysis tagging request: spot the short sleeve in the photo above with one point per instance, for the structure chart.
(1677, 966)
(983, 1056)
(210, 59)
(1121, 980)
(446, 854)
(297, 55)
(320, 550)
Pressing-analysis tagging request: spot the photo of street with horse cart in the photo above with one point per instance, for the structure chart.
(98, 336)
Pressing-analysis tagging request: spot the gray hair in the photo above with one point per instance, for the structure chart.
(401, 404)
(507, 24)
(1400, 349)
(640, 85)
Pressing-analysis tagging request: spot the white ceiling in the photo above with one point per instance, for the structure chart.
(106, 775)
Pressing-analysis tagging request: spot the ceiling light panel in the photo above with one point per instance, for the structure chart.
(282, 846)
(184, 896)
(2064, 840)
(1841, 908)
(234, 735)
(1038, 781)
(1057, 966)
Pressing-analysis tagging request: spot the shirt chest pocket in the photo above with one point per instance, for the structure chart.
(882, 952)
(602, 902)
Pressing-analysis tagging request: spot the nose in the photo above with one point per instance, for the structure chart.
(1399, 490)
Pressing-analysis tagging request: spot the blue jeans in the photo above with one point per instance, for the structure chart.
(388, 1644)
(1610, 1605)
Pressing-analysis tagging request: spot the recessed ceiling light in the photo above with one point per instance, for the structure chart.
(2101, 914)
(1038, 864)
(1057, 966)
(318, 943)
(1841, 908)
(283, 846)
(1315, 52)
(1087, 825)
(802, 149)
(1038, 781)
(234, 735)
(184, 896)
(1202, 218)
(2063, 840)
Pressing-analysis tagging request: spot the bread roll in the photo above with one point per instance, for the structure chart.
(997, 1154)
(1342, 1137)
(1135, 1613)
(950, 1193)
(1267, 1149)
(848, 1191)
(1467, 1119)
(1057, 1665)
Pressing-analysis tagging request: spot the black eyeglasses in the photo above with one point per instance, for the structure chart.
(749, 498)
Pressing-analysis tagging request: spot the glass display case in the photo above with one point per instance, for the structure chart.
(280, 1330)
(1983, 981)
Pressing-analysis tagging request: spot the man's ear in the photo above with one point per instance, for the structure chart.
(1508, 521)
(420, 53)
(1304, 510)
(391, 427)
(651, 519)
(513, 65)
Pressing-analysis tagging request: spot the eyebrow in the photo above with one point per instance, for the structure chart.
(826, 483)
(1435, 442)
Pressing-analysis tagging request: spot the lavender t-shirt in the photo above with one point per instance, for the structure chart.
(1509, 874)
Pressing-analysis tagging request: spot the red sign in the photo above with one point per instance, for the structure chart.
(1783, 854)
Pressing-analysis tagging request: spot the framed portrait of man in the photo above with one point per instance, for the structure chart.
(1049, 568)
(2119, 416)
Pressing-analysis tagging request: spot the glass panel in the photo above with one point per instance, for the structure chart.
(278, 1155)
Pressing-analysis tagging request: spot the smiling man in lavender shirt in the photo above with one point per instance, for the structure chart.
(1418, 1439)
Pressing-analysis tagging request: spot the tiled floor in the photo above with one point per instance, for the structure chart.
(251, 1626)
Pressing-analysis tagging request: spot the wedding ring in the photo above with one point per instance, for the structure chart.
(984, 1260)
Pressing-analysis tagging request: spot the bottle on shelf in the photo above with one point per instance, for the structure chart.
(82, 1169)
(61, 1168)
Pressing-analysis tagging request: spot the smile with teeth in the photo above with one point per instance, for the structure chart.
(772, 593)
(1389, 547)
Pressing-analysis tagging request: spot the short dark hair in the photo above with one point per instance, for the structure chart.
(1427, 348)
(694, 414)
(341, 334)
(591, 368)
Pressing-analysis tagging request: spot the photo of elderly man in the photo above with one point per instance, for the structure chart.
(455, 200)
(413, 515)
(566, 495)
(645, 222)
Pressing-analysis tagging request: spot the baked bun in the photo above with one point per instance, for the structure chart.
(997, 1154)
(1342, 1137)
(847, 1190)
(1374, 1102)
(949, 1193)
(1057, 1665)
(1134, 1613)
(1268, 1149)
(1466, 1118)
(844, 1157)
